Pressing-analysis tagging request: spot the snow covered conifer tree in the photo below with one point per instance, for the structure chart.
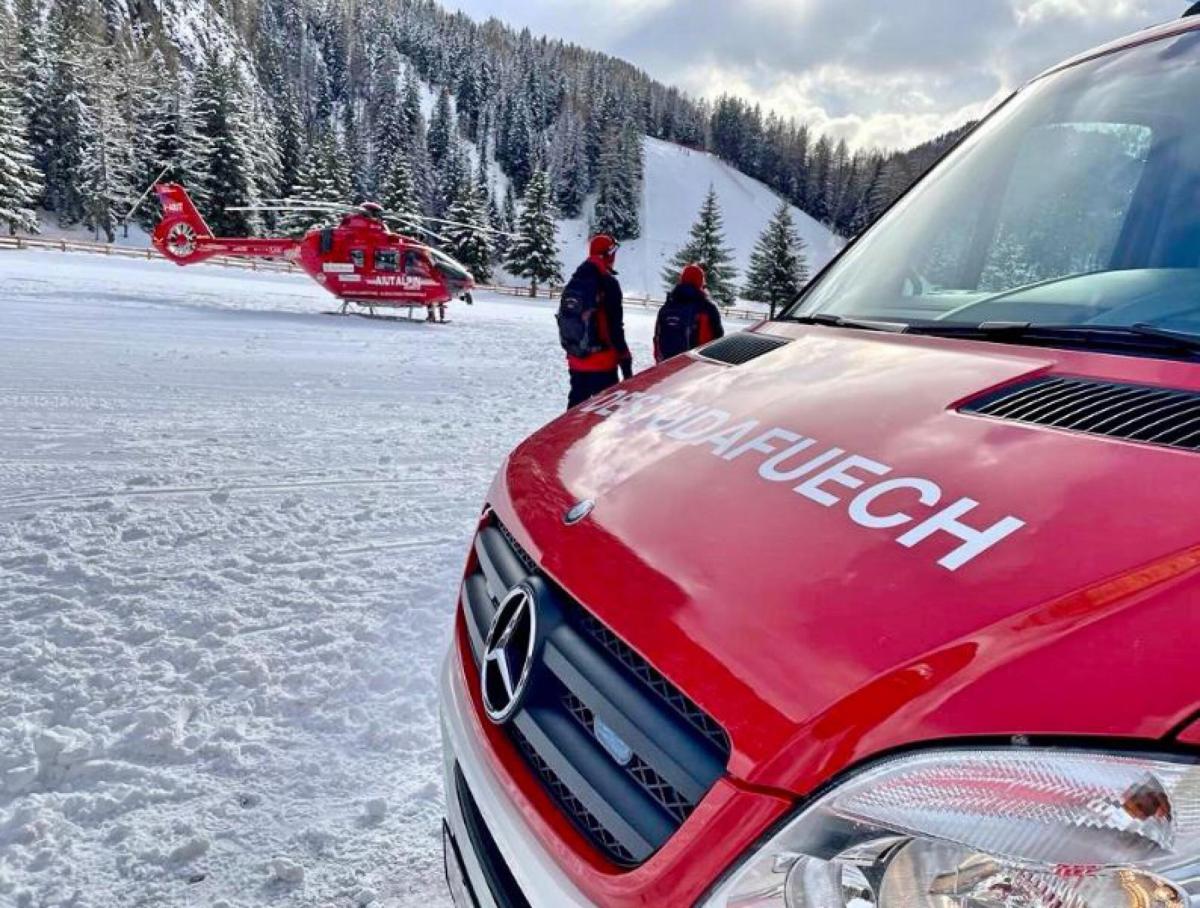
(65, 141)
(509, 211)
(470, 100)
(633, 152)
(495, 220)
(392, 133)
(568, 165)
(451, 177)
(517, 150)
(106, 167)
(506, 221)
(399, 191)
(441, 129)
(227, 163)
(412, 132)
(483, 177)
(602, 111)
(533, 253)
(266, 154)
(291, 144)
(706, 246)
(151, 104)
(194, 150)
(618, 188)
(324, 177)
(410, 104)
(778, 270)
(20, 182)
(470, 241)
(31, 76)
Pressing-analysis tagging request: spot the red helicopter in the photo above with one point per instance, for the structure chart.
(360, 261)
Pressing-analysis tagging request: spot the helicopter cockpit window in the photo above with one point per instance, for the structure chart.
(357, 258)
(387, 260)
(414, 264)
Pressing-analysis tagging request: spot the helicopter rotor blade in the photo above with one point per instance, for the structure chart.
(409, 219)
(279, 208)
(478, 227)
(312, 204)
(145, 195)
(405, 222)
(420, 217)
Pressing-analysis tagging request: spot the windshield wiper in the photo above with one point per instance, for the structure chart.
(1136, 337)
(830, 320)
(1183, 338)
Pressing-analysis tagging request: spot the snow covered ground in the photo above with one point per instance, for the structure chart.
(231, 530)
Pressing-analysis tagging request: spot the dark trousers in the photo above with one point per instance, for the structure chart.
(589, 384)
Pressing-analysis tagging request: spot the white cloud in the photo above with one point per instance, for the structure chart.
(876, 72)
(1034, 12)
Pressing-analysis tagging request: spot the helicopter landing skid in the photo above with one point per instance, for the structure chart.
(372, 314)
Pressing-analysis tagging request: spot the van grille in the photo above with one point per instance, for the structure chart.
(736, 349)
(587, 687)
(584, 819)
(655, 785)
(1141, 413)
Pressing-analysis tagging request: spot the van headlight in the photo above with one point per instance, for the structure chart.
(988, 828)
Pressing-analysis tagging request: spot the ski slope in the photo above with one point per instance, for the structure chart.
(231, 532)
(676, 181)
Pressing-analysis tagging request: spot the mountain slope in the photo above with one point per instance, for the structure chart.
(676, 182)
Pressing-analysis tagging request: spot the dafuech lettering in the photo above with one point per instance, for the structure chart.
(914, 509)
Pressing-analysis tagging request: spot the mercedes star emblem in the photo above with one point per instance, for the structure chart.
(508, 654)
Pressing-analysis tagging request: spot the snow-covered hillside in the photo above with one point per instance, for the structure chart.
(231, 532)
(677, 180)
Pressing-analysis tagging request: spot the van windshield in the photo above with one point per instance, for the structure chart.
(1076, 206)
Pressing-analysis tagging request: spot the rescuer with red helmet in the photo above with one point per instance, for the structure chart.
(591, 323)
(689, 318)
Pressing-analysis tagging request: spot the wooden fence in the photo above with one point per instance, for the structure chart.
(129, 252)
(551, 293)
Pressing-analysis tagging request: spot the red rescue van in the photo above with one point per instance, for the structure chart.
(893, 602)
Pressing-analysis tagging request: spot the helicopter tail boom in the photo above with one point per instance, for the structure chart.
(185, 238)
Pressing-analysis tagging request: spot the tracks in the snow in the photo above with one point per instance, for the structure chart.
(37, 501)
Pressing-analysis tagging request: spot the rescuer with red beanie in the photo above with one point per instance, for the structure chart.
(689, 318)
(591, 323)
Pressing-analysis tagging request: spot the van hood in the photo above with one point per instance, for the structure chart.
(820, 625)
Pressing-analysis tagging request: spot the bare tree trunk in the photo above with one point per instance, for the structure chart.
(533, 289)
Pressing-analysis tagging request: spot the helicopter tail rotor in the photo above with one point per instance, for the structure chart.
(182, 225)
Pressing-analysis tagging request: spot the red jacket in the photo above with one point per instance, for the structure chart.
(594, 276)
(707, 326)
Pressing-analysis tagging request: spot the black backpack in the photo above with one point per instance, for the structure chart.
(677, 327)
(577, 319)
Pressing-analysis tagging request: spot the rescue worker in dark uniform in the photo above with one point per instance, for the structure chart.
(592, 314)
(689, 318)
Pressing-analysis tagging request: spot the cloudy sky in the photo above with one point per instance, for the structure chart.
(879, 72)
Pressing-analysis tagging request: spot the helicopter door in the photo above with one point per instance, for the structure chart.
(415, 265)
